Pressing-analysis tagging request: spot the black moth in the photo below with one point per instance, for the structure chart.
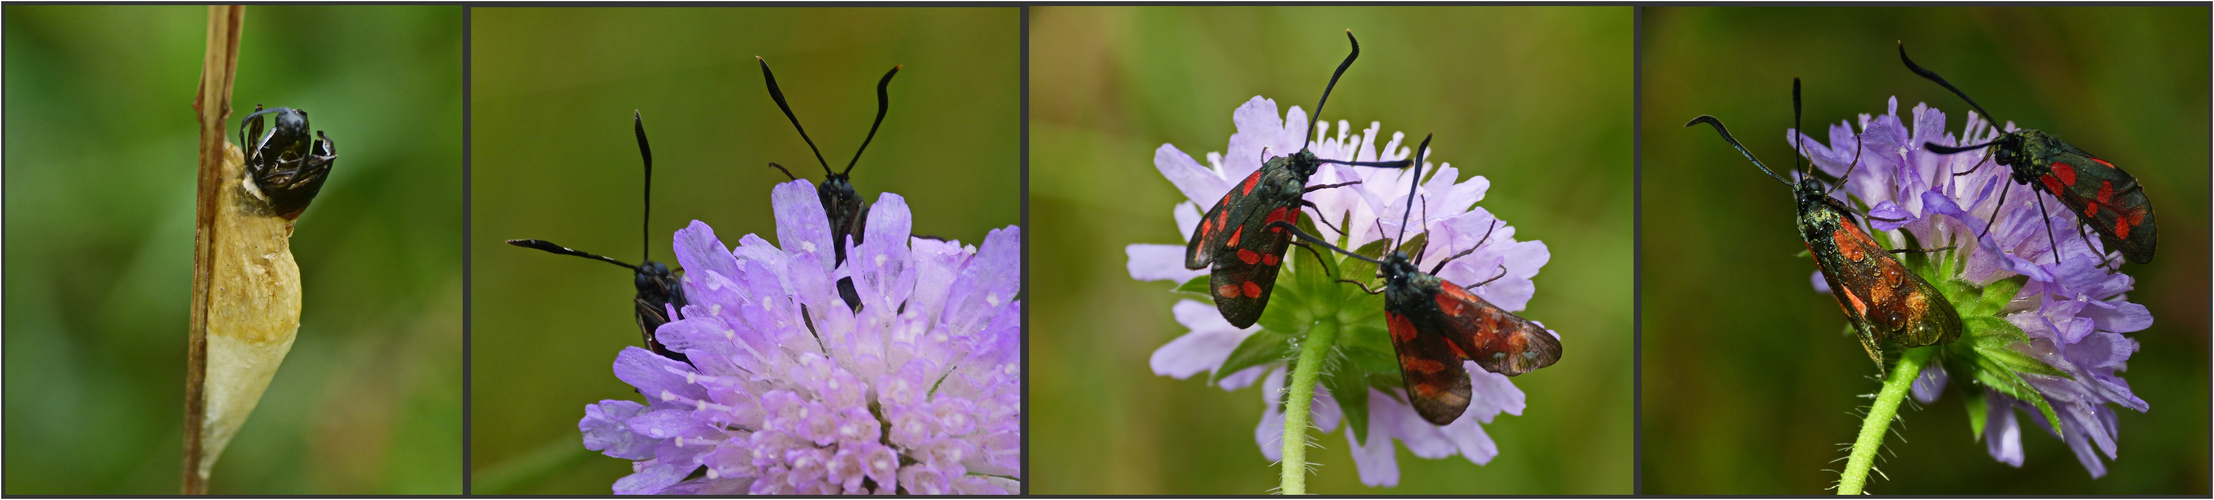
(658, 288)
(2101, 194)
(848, 213)
(1243, 267)
(288, 166)
(1435, 324)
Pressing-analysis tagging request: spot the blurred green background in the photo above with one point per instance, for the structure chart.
(554, 158)
(101, 145)
(1748, 379)
(1536, 99)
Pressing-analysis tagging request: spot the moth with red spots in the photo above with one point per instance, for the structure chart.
(2106, 198)
(658, 288)
(848, 215)
(1882, 299)
(1236, 239)
(1435, 325)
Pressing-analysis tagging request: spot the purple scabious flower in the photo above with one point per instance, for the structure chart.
(790, 391)
(1360, 214)
(2073, 311)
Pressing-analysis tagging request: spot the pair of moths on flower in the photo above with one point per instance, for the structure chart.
(856, 358)
(1884, 302)
(2038, 317)
(1434, 324)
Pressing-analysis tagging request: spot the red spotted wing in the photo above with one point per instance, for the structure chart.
(2101, 194)
(1435, 325)
(1880, 298)
(1235, 240)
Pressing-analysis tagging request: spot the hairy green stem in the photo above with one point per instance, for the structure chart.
(1300, 395)
(1879, 418)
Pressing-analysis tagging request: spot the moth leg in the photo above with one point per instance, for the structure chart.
(787, 173)
(1495, 277)
(1318, 256)
(1922, 250)
(1364, 286)
(1868, 341)
(1311, 189)
(1319, 217)
(2103, 262)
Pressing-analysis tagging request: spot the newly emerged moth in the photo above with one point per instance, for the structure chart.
(659, 291)
(848, 214)
(1435, 324)
(1883, 301)
(2107, 199)
(1244, 265)
(254, 301)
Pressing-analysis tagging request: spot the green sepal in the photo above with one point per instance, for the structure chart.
(1992, 375)
(1996, 296)
(1263, 347)
(1197, 286)
(1979, 411)
(1349, 387)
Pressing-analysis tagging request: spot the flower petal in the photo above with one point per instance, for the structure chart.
(802, 227)
(1156, 262)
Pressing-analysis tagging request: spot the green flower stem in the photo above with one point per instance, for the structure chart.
(1296, 400)
(1879, 418)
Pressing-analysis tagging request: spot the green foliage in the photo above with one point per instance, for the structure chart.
(99, 193)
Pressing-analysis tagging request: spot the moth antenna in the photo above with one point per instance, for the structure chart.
(883, 102)
(1798, 133)
(550, 247)
(645, 223)
(1848, 169)
(1302, 235)
(1710, 120)
(1311, 120)
(1412, 187)
(1932, 76)
(777, 94)
(1377, 164)
(1946, 150)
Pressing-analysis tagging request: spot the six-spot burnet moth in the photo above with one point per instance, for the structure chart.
(2108, 199)
(1883, 301)
(1244, 265)
(848, 214)
(658, 288)
(1435, 324)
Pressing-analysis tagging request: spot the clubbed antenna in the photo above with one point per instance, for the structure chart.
(1412, 187)
(1710, 120)
(645, 232)
(1311, 120)
(777, 94)
(1932, 76)
(883, 102)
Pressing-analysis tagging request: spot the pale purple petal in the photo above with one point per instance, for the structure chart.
(1205, 348)
(802, 227)
(1199, 184)
(1156, 262)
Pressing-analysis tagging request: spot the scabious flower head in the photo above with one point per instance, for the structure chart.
(791, 391)
(2072, 310)
(1358, 215)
